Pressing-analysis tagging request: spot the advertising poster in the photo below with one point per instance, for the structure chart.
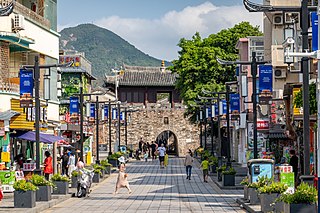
(26, 88)
(235, 103)
(265, 79)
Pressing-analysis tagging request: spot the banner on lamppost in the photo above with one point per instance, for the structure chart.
(106, 112)
(26, 88)
(223, 107)
(235, 103)
(265, 79)
(74, 106)
(114, 113)
(314, 22)
(92, 112)
(122, 116)
(208, 112)
(216, 109)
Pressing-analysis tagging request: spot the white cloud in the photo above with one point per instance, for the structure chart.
(159, 37)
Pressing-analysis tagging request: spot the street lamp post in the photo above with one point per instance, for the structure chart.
(109, 116)
(126, 126)
(97, 130)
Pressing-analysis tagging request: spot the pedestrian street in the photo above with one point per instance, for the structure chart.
(156, 190)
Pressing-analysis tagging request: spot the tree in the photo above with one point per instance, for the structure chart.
(298, 101)
(197, 67)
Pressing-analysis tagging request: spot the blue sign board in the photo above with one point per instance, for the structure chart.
(235, 103)
(74, 105)
(314, 22)
(106, 111)
(92, 110)
(121, 116)
(114, 113)
(26, 88)
(265, 78)
(216, 109)
(237, 71)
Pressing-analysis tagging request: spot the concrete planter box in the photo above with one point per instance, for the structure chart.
(266, 201)
(245, 193)
(219, 175)
(96, 178)
(228, 180)
(300, 208)
(62, 188)
(113, 162)
(74, 182)
(253, 196)
(24, 199)
(43, 193)
(107, 170)
(102, 174)
(279, 207)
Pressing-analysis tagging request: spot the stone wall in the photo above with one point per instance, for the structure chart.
(4, 62)
(149, 123)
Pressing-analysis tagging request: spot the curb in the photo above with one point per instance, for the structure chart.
(245, 205)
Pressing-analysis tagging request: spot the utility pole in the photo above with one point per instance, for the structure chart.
(109, 119)
(81, 123)
(228, 127)
(318, 113)
(97, 130)
(254, 104)
(211, 131)
(37, 111)
(119, 125)
(126, 125)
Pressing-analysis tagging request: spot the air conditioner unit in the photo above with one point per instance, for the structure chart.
(293, 17)
(18, 22)
(277, 19)
(280, 73)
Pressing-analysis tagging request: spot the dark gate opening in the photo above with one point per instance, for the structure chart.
(170, 141)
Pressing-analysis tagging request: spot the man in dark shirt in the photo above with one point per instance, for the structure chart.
(294, 161)
(140, 144)
(153, 150)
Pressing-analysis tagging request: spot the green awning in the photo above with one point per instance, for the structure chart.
(17, 42)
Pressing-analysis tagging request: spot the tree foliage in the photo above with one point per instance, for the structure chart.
(298, 100)
(197, 65)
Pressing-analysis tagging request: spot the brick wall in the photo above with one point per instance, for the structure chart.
(4, 62)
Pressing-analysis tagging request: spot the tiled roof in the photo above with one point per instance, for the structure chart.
(77, 70)
(145, 76)
(7, 115)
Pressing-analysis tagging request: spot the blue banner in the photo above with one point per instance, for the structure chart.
(237, 71)
(235, 103)
(265, 79)
(216, 109)
(26, 88)
(92, 110)
(106, 111)
(122, 116)
(74, 105)
(314, 21)
(114, 113)
(208, 112)
(223, 107)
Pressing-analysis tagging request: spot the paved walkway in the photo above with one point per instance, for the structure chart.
(156, 190)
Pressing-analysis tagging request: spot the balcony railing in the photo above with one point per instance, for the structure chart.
(26, 12)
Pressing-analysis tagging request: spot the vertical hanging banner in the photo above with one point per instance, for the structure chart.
(92, 112)
(74, 106)
(216, 109)
(223, 107)
(235, 103)
(114, 113)
(314, 21)
(121, 116)
(265, 79)
(106, 112)
(208, 112)
(26, 88)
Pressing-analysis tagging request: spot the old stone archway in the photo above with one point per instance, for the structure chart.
(169, 139)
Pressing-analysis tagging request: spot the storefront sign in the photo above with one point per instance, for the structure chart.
(26, 88)
(235, 103)
(296, 110)
(262, 125)
(260, 138)
(67, 59)
(288, 179)
(265, 79)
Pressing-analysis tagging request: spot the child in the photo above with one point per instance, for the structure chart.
(205, 167)
(166, 160)
(122, 180)
(145, 156)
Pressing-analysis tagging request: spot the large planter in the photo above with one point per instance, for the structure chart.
(74, 182)
(62, 188)
(279, 207)
(102, 173)
(107, 170)
(24, 199)
(113, 162)
(245, 193)
(219, 175)
(213, 168)
(266, 201)
(300, 208)
(253, 196)
(43, 193)
(96, 178)
(228, 180)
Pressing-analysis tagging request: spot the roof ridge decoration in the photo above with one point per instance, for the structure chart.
(141, 68)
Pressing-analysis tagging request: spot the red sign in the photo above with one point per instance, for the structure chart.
(263, 125)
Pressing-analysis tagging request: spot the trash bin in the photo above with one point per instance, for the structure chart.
(260, 168)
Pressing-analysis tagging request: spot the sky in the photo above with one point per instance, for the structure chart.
(156, 26)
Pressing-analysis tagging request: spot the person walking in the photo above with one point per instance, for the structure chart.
(140, 144)
(153, 147)
(162, 152)
(48, 168)
(188, 164)
(65, 159)
(122, 180)
(294, 161)
(149, 149)
(205, 167)
(71, 164)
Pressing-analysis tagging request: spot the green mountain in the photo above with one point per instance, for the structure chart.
(103, 48)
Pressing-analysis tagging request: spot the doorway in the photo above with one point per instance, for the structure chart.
(170, 141)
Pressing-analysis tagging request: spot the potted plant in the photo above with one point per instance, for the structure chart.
(302, 200)
(62, 184)
(44, 187)
(228, 177)
(213, 162)
(113, 159)
(252, 189)
(24, 194)
(219, 172)
(107, 166)
(74, 178)
(268, 195)
(98, 173)
(245, 183)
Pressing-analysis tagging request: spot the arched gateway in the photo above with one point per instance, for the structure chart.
(157, 114)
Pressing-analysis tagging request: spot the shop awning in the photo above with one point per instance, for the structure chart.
(7, 115)
(45, 138)
(278, 135)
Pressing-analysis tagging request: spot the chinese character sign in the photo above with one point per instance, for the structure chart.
(92, 110)
(74, 105)
(265, 78)
(26, 88)
(235, 103)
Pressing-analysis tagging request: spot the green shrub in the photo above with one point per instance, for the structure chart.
(58, 177)
(98, 168)
(230, 171)
(23, 185)
(274, 187)
(75, 173)
(262, 181)
(105, 163)
(245, 181)
(39, 180)
(213, 161)
(222, 168)
(115, 156)
(304, 193)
